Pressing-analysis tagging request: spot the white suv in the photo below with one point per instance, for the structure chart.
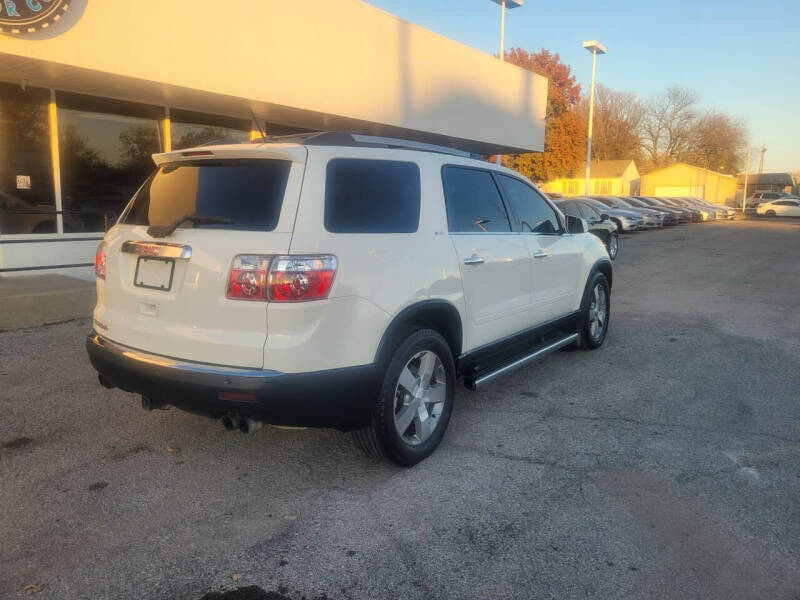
(338, 281)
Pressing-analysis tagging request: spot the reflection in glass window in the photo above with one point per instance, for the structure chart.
(104, 159)
(473, 202)
(27, 198)
(186, 135)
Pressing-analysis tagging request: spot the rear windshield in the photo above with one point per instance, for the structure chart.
(247, 192)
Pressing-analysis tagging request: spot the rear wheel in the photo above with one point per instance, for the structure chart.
(596, 312)
(770, 213)
(414, 403)
(613, 245)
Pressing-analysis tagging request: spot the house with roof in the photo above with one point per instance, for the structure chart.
(606, 177)
(682, 179)
(766, 182)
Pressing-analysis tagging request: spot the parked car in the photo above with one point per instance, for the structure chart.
(668, 216)
(784, 207)
(652, 218)
(340, 281)
(599, 223)
(706, 213)
(759, 197)
(625, 220)
(695, 215)
(684, 214)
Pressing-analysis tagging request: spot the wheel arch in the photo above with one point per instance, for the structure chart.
(439, 315)
(603, 266)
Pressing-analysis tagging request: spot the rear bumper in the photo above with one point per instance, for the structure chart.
(337, 398)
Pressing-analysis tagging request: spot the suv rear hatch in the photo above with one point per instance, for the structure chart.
(165, 291)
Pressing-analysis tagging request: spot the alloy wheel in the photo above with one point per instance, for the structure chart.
(420, 397)
(613, 246)
(598, 312)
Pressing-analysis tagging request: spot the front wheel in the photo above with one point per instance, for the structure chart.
(596, 312)
(414, 403)
(770, 213)
(613, 245)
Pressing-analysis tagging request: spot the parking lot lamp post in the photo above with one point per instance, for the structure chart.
(744, 191)
(503, 4)
(595, 48)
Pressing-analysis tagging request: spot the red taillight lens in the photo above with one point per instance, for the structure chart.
(301, 278)
(248, 277)
(100, 261)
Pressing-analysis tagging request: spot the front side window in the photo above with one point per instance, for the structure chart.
(27, 197)
(570, 208)
(532, 213)
(247, 192)
(371, 196)
(474, 204)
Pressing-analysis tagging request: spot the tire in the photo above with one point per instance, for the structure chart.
(400, 393)
(591, 337)
(613, 245)
(618, 223)
(770, 213)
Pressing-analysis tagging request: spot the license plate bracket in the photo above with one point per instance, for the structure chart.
(154, 273)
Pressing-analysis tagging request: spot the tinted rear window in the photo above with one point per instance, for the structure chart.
(247, 192)
(371, 196)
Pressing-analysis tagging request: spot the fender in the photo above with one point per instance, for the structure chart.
(436, 314)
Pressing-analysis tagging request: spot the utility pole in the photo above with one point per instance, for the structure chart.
(761, 162)
(744, 191)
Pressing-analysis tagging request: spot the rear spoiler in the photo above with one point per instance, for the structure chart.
(292, 152)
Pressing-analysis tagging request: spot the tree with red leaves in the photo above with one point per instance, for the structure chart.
(565, 129)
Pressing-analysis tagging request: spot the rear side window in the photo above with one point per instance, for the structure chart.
(371, 196)
(474, 204)
(249, 193)
(588, 213)
(532, 213)
(570, 208)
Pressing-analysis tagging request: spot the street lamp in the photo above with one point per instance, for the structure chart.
(595, 48)
(503, 5)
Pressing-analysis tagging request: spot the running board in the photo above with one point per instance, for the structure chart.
(478, 380)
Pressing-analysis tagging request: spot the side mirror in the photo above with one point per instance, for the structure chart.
(576, 225)
(604, 217)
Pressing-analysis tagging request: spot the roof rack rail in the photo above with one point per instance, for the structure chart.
(332, 138)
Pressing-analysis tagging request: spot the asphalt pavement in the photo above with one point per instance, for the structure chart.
(664, 465)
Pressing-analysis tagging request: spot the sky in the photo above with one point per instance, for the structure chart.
(743, 58)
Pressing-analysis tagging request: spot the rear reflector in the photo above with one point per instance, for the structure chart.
(301, 278)
(100, 261)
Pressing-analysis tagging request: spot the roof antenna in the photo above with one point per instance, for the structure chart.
(258, 126)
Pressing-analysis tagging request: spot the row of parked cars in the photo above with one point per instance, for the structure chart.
(610, 216)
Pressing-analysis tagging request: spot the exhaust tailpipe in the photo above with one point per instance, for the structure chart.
(249, 425)
(230, 422)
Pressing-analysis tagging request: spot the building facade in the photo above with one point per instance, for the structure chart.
(682, 179)
(766, 182)
(90, 89)
(607, 178)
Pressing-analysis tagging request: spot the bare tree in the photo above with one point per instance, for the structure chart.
(618, 119)
(668, 124)
(717, 142)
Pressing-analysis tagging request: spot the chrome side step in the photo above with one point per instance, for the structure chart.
(474, 383)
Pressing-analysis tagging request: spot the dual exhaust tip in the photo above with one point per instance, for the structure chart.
(234, 422)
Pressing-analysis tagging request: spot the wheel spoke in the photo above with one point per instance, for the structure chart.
(405, 415)
(408, 381)
(437, 393)
(426, 365)
(425, 426)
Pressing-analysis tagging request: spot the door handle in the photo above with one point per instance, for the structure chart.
(540, 255)
(473, 260)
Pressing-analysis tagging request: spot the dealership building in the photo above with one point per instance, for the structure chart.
(90, 89)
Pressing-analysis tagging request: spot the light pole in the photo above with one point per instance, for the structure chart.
(503, 4)
(595, 48)
(744, 191)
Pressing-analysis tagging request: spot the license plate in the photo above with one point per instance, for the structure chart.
(154, 273)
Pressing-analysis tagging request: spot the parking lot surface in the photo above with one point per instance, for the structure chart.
(666, 464)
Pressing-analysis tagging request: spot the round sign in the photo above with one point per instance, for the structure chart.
(30, 16)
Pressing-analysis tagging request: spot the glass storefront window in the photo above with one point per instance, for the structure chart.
(192, 129)
(27, 195)
(105, 157)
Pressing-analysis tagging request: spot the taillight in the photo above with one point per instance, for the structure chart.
(248, 277)
(100, 261)
(301, 278)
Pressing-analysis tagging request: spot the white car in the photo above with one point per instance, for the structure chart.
(338, 281)
(785, 207)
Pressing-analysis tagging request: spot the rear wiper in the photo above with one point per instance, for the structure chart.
(160, 231)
